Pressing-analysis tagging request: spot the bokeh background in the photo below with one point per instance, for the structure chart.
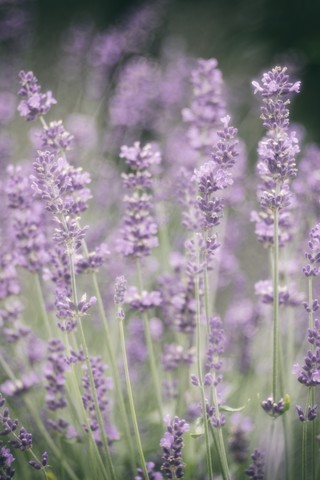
(246, 36)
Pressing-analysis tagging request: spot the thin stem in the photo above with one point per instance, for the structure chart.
(90, 374)
(32, 409)
(275, 373)
(149, 342)
(130, 397)
(114, 369)
(199, 362)
(42, 305)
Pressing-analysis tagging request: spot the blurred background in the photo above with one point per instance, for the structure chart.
(246, 36)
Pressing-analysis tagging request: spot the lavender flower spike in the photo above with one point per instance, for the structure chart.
(33, 103)
(139, 233)
(172, 445)
(256, 469)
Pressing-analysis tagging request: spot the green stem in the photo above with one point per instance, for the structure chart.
(276, 340)
(114, 369)
(149, 342)
(42, 305)
(90, 374)
(130, 397)
(199, 361)
(32, 409)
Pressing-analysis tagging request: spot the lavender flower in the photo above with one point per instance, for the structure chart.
(313, 255)
(6, 460)
(55, 137)
(238, 441)
(288, 295)
(256, 470)
(139, 233)
(44, 462)
(310, 415)
(34, 103)
(102, 385)
(277, 151)
(175, 355)
(172, 445)
(54, 373)
(28, 221)
(152, 474)
(142, 301)
(120, 289)
(211, 178)
(275, 409)
(207, 107)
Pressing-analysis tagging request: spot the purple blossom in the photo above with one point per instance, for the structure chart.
(43, 464)
(103, 385)
(238, 442)
(6, 459)
(55, 137)
(33, 103)
(309, 373)
(139, 233)
(64, 192)
(313, 255)
(277, 151)
(274, 409)
(288, 295)
(142, 301)
(70, 312)
(178, 304)
(93, 261)
(27, 221)
(120, 290)
(11, 388)
(151, 473)
(207, 107)
(172, 445)
(175, 355)
(255, 471)
(310, 415)
(54, 373)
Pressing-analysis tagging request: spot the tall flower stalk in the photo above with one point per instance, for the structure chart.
(119, 297)
(308, 375)
(139, 232)
(276, 167)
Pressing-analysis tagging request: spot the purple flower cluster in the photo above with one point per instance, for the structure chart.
(28, 222)
(54, 373)
(65, 194)
(309, 416)
(214, 176)
(256, 470)
(70, 312)
(55, 137)
(313, 255)
(34, 103)
(6, 460)
(175, 355)
(172, 444)
(103, 385)
(274, 409)
(177, 292)
(139, 233)
(309, 373)
(142, 301)
(288, 295)
(151, 473)
(21, 441)
(277, 151)
(207, 107)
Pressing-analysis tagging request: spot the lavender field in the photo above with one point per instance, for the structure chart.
(159, 269)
